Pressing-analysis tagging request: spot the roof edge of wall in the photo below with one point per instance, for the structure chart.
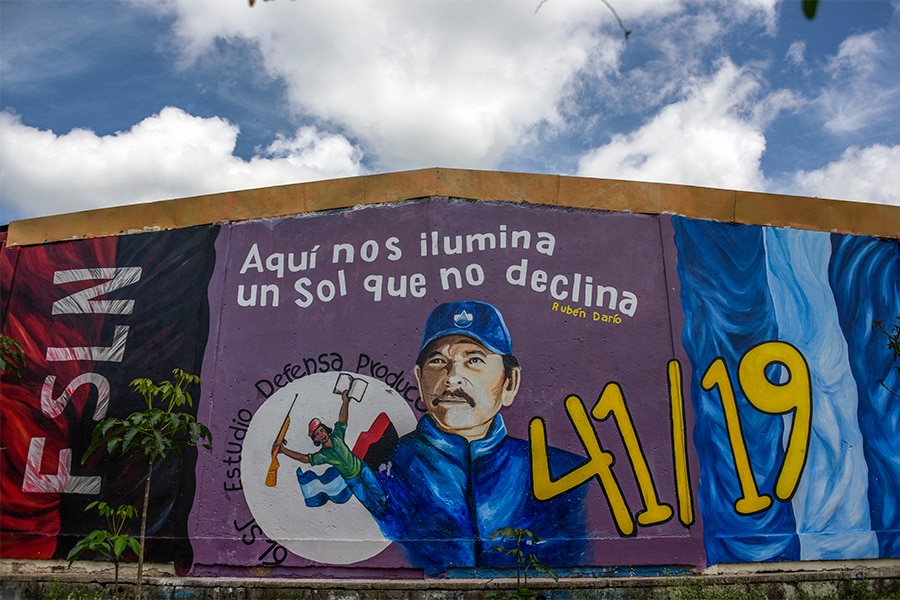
(731, 206)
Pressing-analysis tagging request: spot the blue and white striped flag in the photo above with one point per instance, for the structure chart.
(320, 489)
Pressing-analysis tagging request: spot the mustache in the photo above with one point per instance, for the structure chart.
(452, 395)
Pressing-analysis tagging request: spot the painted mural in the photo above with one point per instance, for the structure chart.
(387, 386)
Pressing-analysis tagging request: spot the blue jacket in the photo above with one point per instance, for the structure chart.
(445, 496)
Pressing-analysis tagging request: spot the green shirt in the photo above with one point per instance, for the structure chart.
(339, 455)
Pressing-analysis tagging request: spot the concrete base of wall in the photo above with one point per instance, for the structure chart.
(859, 580)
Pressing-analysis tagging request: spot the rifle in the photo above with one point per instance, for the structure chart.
(272, 475)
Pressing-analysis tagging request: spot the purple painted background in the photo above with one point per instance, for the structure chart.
(560, 354)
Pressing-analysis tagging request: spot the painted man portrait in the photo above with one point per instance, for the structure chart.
(459, 476)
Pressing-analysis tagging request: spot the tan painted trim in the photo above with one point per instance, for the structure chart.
(576, 192)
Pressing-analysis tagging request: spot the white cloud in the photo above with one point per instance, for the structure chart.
(749, 9)
(427, 83)
(666, 50)
(441, 82)
(168, 155)
(796, 53)
(856, 54)
(37, 50)
(865, 84)
(861, 174)
(712, 137)
(430, 83)
(437, 82)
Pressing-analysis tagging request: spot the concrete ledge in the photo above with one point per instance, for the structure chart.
(574, 192)
(856, 579)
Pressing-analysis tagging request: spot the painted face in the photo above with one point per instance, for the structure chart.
(463, 385)
(320, 435)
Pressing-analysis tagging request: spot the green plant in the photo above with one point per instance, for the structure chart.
(12, 357)
(109, 542)
(155, 432)
(58, 591)
(525, 560)
(688, 588)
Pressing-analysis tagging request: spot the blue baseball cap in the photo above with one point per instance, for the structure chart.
(471, 318)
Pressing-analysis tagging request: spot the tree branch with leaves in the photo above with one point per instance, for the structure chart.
(154, 432)
(525, 561)
(111, 542)
(12, 356)
(893, 342)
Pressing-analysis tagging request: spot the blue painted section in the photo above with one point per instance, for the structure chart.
(865, 275)
(727, 310)
(831, 505)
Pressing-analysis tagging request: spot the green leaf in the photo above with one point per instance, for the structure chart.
(128, 438)
(12, 356)
(809, 8)
(542, 568)
(503, 533)
(96, 542)
(159, 419)
(105, 510)
(161, 444)
(119, 546)
(74, 553)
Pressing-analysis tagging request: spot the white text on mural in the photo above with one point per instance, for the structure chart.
(81, 302)
(330, 274)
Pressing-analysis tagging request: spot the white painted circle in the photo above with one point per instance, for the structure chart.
(332, 533)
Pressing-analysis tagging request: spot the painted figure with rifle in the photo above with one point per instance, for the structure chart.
(335, 452)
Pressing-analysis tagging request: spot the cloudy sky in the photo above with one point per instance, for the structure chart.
(108, 102)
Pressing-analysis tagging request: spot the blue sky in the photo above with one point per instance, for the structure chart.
(109, 102)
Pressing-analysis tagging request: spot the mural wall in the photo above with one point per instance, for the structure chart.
(388, 386)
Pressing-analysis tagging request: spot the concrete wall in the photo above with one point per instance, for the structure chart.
(697, 378)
